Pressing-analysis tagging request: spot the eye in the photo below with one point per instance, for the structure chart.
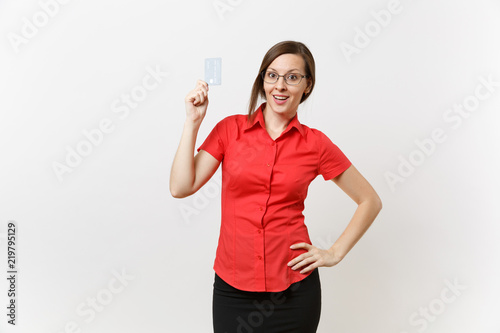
(292, 77)
(272, 75)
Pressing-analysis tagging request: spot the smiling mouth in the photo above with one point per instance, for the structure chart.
(280, 98)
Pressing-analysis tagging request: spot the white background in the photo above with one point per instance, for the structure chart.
(113, 213)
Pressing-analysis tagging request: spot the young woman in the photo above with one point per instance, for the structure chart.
(266, 269)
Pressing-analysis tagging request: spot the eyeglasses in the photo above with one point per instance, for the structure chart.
(291, 78)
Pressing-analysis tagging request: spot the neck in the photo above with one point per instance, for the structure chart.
(276, 123)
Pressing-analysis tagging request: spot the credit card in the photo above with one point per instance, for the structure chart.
(213, 70)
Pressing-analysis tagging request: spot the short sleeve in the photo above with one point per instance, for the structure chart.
(332, 161)
(214, 143)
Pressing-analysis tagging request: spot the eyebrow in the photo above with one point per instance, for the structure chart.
(291, 70)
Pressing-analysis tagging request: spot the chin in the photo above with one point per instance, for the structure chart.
(284, 108)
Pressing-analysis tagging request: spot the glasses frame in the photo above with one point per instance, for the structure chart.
(263, 75)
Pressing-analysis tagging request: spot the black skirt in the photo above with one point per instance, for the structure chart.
(294, 310)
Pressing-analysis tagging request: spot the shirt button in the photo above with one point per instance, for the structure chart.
(261, 209)
(259, 231)
(272, 144)
(259, 257)
(268, 164)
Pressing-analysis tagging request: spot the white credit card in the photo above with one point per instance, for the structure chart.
(213, 70)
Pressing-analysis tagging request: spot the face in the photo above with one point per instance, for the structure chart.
(281, 97)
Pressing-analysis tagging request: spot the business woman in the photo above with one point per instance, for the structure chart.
(266, 268)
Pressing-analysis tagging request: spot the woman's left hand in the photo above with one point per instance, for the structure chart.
(314, 257)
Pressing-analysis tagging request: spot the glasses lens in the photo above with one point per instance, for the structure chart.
(293, 78)
(270, 77)
(290, 78)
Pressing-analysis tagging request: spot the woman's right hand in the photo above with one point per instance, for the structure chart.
(197, 102)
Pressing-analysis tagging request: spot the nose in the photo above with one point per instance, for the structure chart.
(281, 84)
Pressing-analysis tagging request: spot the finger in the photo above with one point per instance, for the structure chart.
(201, 83)
(309, 268)
(303, 263)
(298, 259)
(191, 96)
(196, 100)
(301, 246)
(204, 90)
(201, 97)
(309, 253)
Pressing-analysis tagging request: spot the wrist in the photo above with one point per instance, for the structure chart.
(337, 252)
(192, 125)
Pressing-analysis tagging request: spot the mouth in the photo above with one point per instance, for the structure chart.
(280, 99)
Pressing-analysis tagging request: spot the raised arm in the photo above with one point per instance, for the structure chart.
(189, 172)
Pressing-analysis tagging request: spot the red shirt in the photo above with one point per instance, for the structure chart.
(264, 185)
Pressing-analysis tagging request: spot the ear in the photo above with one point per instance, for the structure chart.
(308, 89)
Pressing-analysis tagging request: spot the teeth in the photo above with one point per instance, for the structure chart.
(280, 97)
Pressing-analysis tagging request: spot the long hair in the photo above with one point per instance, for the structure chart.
(285, 47)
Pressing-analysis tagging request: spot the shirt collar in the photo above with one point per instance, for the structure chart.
(258, 117)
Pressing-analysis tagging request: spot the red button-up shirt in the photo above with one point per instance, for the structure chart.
(264, 185)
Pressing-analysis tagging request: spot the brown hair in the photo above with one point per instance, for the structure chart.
(285, 47)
